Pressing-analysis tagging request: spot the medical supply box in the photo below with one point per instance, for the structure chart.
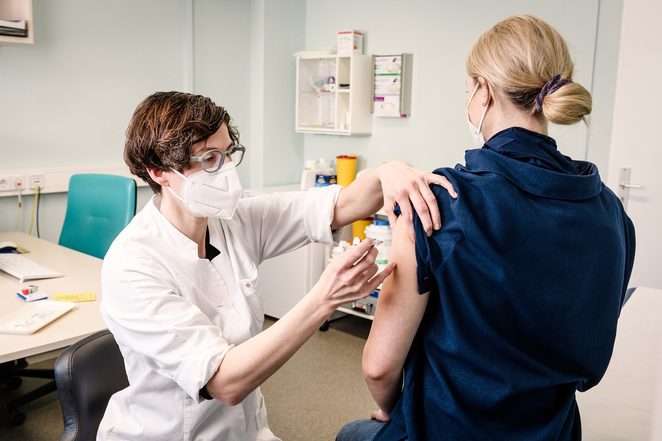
(349, 42)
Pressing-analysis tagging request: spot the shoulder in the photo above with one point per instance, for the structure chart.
(137, 247)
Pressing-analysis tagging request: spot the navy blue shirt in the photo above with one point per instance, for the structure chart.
(526, 279)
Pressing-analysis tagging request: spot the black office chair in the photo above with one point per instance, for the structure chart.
(10, 374)
(87, 374)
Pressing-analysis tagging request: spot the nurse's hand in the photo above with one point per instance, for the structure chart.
(410, 189)
(351, 276)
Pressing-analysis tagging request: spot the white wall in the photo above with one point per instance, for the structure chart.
(440, 34)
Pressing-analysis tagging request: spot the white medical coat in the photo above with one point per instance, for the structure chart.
(175, 315)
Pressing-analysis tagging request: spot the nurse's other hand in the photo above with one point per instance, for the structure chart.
(379, 415)
(351, 276)
(407, 187)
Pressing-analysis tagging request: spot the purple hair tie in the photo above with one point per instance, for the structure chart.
(550, 87)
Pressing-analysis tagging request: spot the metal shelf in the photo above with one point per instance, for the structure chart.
(350, 311)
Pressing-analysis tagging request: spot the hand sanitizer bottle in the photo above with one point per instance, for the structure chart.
(308, 174)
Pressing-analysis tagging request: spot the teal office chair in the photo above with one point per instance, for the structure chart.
(98, 208)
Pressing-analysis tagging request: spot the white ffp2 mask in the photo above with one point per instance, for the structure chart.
(476, 134)
(210, 194)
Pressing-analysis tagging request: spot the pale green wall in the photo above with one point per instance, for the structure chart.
(284, 31)
(278, 31)
(73, 91)
(440, 35)
(222, 34)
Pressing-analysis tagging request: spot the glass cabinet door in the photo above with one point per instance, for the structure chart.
(316, 93)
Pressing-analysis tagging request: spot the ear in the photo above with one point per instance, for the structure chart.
(485, 92)
(159, 176)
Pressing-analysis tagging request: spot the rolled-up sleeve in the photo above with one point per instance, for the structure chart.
(318, 211)
(169, 333)
(289, 220)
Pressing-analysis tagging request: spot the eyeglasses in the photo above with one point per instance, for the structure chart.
(213, 159)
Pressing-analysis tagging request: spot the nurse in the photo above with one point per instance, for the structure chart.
(487, 329)
(180, 282)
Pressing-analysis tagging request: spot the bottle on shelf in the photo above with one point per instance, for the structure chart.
(380, 232)
(308, 174)
(317, 174)
(325, 174)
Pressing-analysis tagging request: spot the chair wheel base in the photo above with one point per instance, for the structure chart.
(13, 383)
(16, 417)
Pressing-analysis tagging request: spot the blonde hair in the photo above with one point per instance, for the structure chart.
(528, 60)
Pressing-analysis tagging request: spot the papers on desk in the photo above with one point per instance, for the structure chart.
(33, 316)
(25, 269)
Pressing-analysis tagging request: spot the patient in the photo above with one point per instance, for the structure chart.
(488, 327)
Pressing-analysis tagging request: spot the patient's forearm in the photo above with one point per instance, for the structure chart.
(399, 312)
(385, 391)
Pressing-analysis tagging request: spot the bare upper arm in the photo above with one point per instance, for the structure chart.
(399, 311)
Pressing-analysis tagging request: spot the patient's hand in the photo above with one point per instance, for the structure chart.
(380, 415)
(407, 186)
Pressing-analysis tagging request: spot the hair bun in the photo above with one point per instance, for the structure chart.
(569, 103)
(550, 87)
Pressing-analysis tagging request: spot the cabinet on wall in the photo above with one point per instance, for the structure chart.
(333, 93)
(17, 10)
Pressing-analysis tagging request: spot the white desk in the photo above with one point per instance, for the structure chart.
(82, 273)
(626, 405)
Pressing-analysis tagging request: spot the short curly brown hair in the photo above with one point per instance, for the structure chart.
(163, 128)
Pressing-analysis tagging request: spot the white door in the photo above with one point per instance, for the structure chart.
(627, 404)
(637, 133)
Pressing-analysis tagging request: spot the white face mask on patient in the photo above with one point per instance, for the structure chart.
(210, 194)
(476, 134)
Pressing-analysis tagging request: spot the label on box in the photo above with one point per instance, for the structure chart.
(349, 42)
(387, 105)
(388, 82)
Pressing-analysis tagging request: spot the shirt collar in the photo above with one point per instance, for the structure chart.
(531, 147)
(180, 240)
(532, 162)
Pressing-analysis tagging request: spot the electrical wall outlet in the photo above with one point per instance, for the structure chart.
(36, 180)
(10, 182)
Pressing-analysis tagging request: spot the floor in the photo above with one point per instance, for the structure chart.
(309, 399)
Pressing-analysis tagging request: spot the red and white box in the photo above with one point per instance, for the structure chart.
(350, 42)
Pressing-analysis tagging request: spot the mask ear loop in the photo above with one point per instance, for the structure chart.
(482, 117)
(472, 96)
(178, 173)
(173, 192)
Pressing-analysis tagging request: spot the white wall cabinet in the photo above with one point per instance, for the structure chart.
(333, 93)
(17, 10)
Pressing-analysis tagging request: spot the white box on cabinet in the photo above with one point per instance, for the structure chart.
(349, 43)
